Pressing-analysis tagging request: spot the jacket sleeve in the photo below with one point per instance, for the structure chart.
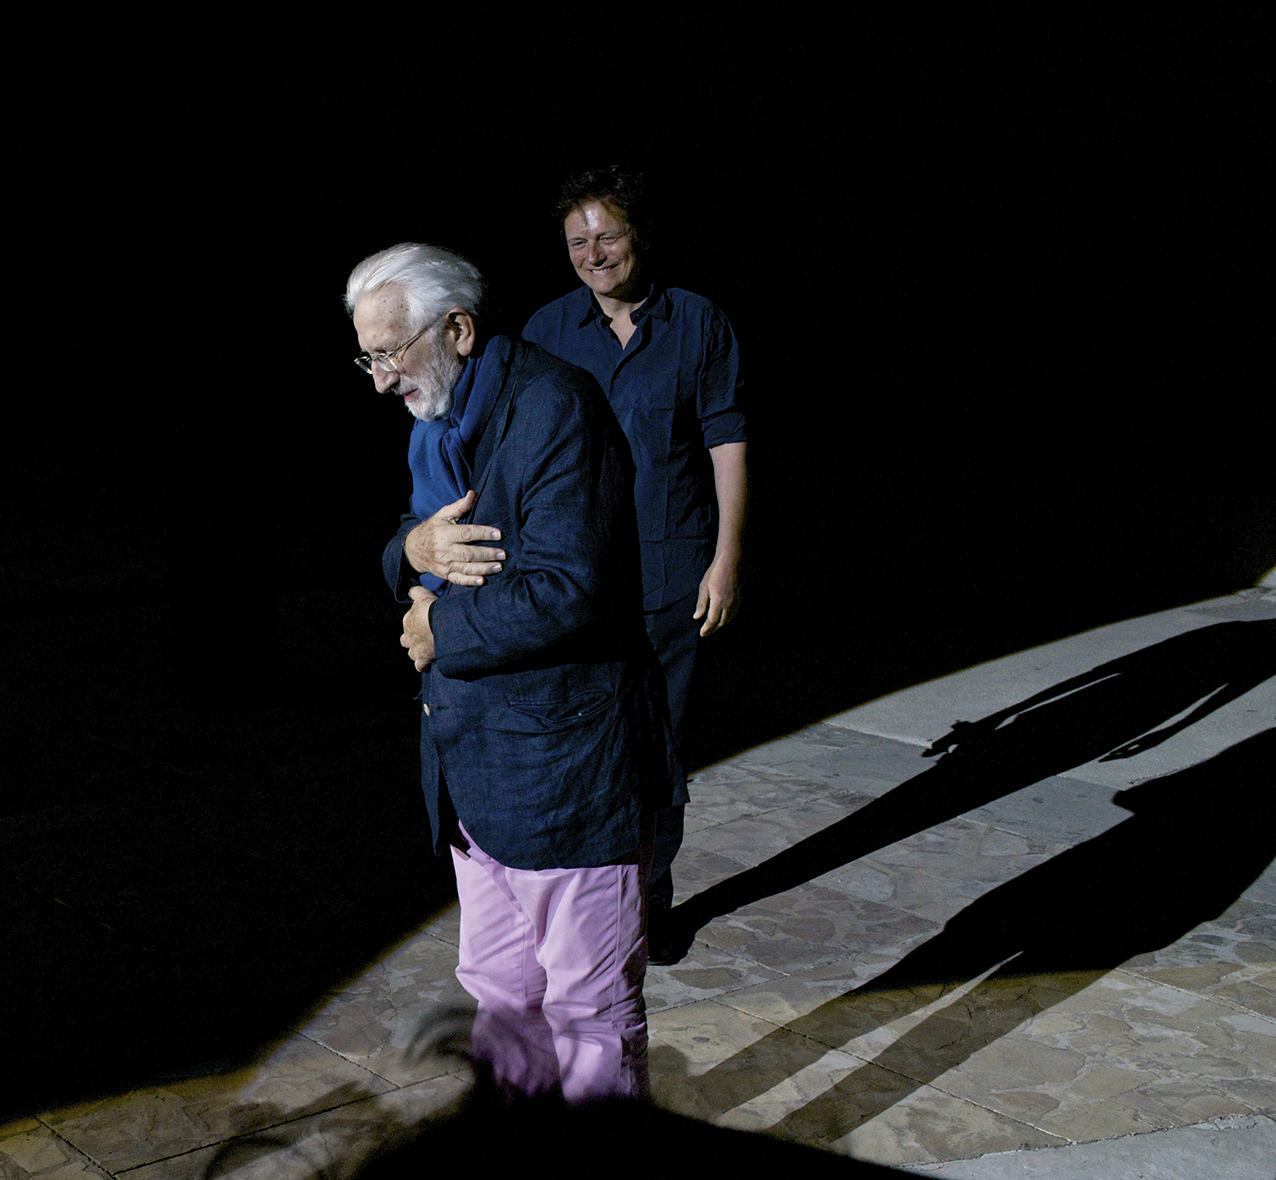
(567, 536)
(399, 576)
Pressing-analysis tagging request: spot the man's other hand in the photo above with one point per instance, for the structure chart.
(417, 636)
(719, 596)
(443, 547)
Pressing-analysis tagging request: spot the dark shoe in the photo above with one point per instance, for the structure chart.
(668, 941)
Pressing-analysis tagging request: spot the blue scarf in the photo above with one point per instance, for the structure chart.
(440, 452)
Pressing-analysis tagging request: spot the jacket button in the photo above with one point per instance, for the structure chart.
(426, 708)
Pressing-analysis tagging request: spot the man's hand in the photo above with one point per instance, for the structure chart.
(417, 636)
(719, 596)
(443, 547)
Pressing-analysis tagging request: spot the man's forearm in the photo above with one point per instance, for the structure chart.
(731, 485)
(719, 595)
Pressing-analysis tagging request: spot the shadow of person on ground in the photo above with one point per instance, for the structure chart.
(1196, 840)
(354, 1131)
(1118, 709)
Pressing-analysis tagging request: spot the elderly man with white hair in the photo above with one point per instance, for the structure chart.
(544, 737)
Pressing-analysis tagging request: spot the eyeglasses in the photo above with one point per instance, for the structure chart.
(387, 360)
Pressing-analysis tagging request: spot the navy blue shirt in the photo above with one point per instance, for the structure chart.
(676, 391)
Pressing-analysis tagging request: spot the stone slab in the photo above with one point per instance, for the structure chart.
(298, 1078)
(1227, 1149)
(395, 1018)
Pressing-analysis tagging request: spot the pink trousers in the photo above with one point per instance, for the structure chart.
(556, 960)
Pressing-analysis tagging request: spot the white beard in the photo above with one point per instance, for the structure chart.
(437, 381)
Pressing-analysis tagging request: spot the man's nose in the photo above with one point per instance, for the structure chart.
(597, 255)
(384, 379)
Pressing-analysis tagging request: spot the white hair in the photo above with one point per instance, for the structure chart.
(433, 281)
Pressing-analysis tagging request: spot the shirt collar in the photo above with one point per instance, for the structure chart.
(656, 304)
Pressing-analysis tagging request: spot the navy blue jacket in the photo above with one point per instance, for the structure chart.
(545, 731)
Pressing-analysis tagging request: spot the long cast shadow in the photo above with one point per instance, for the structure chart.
(1050, 932)
(1117, 709)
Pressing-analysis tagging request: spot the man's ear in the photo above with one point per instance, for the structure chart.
(459, 324)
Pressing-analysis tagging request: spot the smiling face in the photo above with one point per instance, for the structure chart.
(601, 247)
(427, 371)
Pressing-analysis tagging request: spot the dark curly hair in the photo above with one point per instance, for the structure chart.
(624, 190)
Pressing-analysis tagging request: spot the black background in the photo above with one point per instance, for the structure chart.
(997, 280)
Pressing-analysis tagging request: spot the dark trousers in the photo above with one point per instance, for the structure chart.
(674, 635)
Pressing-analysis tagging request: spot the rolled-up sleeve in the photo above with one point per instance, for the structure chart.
(719, 388)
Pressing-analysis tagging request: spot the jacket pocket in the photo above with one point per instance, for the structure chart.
(562, 714)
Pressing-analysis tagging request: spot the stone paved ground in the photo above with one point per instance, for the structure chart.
(1039, 944)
